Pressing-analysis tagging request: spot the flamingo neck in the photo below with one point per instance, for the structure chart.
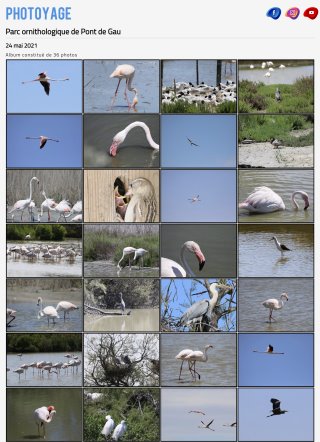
(129, 83)
(146, 131)
(30, 184)
(185, 265)
(304, 196)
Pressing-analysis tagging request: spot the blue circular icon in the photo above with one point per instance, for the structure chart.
(274, 13)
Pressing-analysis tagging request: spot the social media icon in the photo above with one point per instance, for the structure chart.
(311, 13)
(274, 13)
(293, 13)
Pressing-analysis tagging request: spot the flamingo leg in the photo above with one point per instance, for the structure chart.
(125, 93)
(115, 94)
(11, 321)
(48, 214)
(180, 370)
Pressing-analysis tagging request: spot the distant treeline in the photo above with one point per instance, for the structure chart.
(52, 284)
(57, 184)
(43, 342)
(43, 232)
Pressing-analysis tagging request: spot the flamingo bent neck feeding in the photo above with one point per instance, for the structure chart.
(121, 136)
(265, 200)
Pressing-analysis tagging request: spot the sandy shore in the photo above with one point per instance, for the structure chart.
(263, 155)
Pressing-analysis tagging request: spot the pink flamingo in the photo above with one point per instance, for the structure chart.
(125, 71)
(43, 140)
(45, 81)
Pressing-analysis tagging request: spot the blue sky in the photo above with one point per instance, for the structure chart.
(255, 405)
(294, 368)
(216, 190)
(177, 424)
(215, 135)
(65, 96)
(26, 153)
(179, 300)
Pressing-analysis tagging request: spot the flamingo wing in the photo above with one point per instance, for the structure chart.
(46, 86)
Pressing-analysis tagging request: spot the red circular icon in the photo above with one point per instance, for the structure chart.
(311, 13)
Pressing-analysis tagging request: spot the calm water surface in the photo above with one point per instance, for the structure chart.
(284, 183)
(32, 377)
(219, 370)
(258, 256)
(279, 76)
(139, 320)
(296, 314)
(185, 70)
(135, 151)
(34, 268)
(65, 426)
(99, 88)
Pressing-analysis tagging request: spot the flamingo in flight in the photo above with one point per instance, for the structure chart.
(21, 205)
(170, 268)
(42, 416)
(125, 71)
(45, 81)
(121, 136)
(43, 140)
(265, 200)
(194, 199)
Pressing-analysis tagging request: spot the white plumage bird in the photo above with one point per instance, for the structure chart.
(42, 416)
(119, 430)
(49, 311)
(108, 427)
(265, 200)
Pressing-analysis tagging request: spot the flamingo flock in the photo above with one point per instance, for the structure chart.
(39, 368)
(45, 253)
(63, 208)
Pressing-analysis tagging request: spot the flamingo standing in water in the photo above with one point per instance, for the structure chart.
(42, 416)
(49, 311)
(21, 205)
(121, 136)
(45, 81)
(170, 268)
(126, 251)
(125, 71)
(265, 200)
(182, 356)
(275, 304)
(43, 140)
(66, 307)
(195, 356)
